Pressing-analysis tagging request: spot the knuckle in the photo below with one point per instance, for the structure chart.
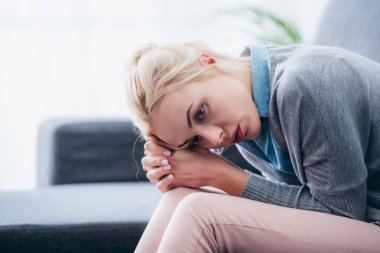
(159, 159)
(153, 174)
(152, 147)
(150, 174)
(148, 161)
(160, 185)
(148, 146)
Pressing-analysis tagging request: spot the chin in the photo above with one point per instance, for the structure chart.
(252, 136)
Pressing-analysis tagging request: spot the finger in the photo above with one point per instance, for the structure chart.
(168, 188)
(154, 161)
(158, 173)
(147, 153)
(156, 149)
(163, 184)
(150, 138)
(147, 168)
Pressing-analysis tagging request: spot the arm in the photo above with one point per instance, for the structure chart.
(229, 178)
(325, 126)
(192, 168)
(237, 182)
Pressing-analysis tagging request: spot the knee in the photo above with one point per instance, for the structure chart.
(197, 199)
(197, 204)
(177, 194)
(192, 203)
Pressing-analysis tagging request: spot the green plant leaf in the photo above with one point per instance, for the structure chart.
(287, 32)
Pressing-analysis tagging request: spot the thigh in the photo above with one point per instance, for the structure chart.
(152, 235)
(206, 222)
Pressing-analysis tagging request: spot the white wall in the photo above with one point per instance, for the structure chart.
(66, 58)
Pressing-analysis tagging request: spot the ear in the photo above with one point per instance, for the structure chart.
(206, 59)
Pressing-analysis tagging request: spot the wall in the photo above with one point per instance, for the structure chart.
(67, 58)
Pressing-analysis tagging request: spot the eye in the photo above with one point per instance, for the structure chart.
(199, 116)
(200, 113)
(194, 142)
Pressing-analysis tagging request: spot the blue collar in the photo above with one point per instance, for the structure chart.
(260, 79)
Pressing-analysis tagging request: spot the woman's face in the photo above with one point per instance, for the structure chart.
(207, 114)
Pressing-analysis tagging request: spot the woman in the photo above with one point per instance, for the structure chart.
(307, 117)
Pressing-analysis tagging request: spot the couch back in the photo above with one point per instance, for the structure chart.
(352, 25)
(96, 150)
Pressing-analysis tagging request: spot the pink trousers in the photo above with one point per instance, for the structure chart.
(190, 220)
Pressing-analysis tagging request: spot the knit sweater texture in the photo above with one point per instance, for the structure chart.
(324, 110)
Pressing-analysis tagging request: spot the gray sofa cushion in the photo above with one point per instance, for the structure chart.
(353, 25)
(80, 203)
(107, 217)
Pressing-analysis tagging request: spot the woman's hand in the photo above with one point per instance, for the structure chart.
(191, 168)
(156, 163)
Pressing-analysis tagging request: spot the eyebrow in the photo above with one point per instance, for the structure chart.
(188, 116)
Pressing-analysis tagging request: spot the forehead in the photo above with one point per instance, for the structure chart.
(169, 119)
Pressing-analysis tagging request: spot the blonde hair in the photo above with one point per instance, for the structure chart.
(156, 70)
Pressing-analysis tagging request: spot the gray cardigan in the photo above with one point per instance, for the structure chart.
(325, 111)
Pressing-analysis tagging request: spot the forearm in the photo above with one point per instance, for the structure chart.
(229, 179)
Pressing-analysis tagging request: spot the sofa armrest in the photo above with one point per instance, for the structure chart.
(78, 150)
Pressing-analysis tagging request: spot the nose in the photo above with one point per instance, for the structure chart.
(212, 136)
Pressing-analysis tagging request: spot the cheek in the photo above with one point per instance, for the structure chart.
(225, 113)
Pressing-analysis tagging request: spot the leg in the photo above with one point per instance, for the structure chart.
(155, 229)
(206, 222)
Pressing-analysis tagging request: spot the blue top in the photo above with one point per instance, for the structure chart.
(265, 146)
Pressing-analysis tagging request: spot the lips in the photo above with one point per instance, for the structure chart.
(238, 136)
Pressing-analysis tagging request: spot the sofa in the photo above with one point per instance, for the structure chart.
(92, 194)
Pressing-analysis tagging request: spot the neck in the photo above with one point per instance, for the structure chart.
(245, 75)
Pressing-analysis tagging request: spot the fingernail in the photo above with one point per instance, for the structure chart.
(170, 177)
(167, 153)
(167, 167)
(164, 162)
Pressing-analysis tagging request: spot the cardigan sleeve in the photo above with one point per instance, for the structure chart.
(324, 121)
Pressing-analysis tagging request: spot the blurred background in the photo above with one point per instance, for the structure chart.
(67, 58)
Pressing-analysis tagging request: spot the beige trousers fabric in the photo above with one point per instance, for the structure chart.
(189, 220)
